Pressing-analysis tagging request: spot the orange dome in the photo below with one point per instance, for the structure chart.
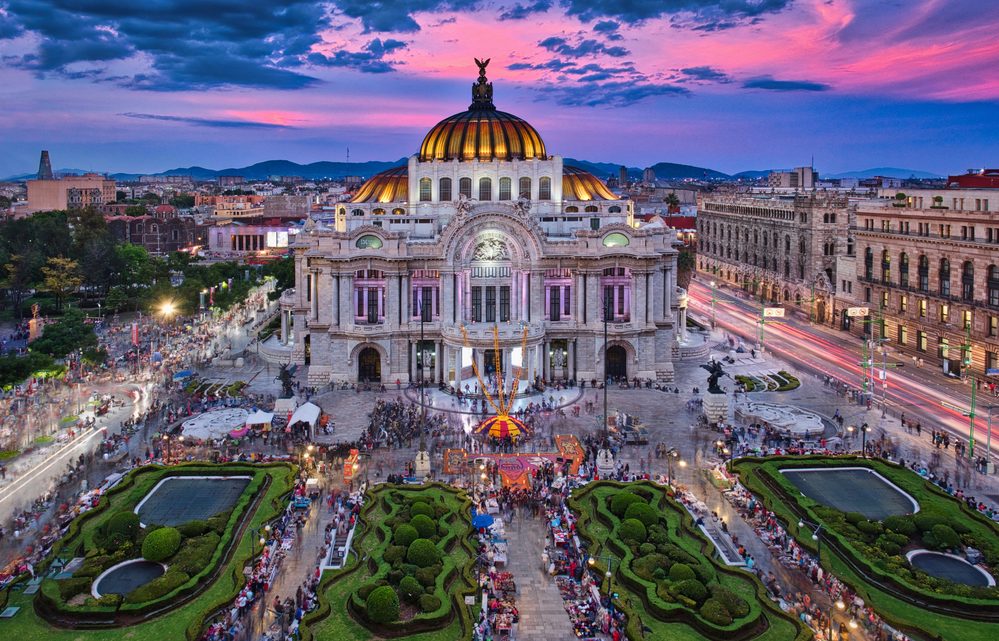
(501, 426)
(579, 184)
(389, 186)
(482, 132)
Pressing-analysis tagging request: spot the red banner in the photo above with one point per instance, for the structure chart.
(135, 334)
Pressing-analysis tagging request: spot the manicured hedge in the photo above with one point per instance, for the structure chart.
(161, 544)
(382, 605)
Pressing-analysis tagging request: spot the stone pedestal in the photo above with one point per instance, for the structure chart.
(716, 407)
(421, 465)
(605, 463)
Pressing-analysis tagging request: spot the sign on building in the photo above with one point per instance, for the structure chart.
(857, 311)
(773, 312)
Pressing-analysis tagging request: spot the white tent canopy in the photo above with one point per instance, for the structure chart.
(284, 406)
(259, 418)
(307, 413)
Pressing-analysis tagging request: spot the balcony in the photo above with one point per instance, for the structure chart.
(481, 334)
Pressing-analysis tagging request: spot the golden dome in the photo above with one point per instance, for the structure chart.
(579, 184)
(482, 132)
(389, 186)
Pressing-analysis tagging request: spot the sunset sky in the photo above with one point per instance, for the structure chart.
(120, 85)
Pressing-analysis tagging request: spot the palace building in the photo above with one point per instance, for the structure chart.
(484, 252)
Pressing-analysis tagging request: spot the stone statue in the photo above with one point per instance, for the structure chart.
(715, 372)
(285, 377)
(482, 90)
(463, 206)
(523, 206)
(491, 249)
(309, 225)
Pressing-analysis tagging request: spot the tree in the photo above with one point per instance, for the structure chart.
(136, 210)
(19, 276)
(685, 264)
(61, 277)
(117, 299)
(182, 201)
(93, 248)
(132, 266)
(120, 195)
(68, 334)
(672, 203)
(283, 271)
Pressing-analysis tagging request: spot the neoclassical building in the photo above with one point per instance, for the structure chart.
(483, 229)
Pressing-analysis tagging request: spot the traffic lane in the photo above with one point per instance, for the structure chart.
(834, 360)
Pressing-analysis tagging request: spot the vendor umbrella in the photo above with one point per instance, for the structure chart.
(501, 426)
(482, 521)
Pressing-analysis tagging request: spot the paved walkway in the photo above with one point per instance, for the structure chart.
(542, 614)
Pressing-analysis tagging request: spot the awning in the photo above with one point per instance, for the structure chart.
(308, 413)
(285, 406)
(259, 418)
(179, 376)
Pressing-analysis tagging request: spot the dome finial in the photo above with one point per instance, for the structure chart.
(482, 90)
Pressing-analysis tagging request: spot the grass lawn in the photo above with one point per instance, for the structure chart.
(332, 621)
(598, 525)
(903, 607)
(184, 622)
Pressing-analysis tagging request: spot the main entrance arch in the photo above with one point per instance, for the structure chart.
(369, 366)
(617, 362)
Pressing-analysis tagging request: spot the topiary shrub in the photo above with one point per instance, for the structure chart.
(646, 549)
(678, 554)
(620, 502)
(632, 529)
(737, 606)
(404, 535)
(395, 576)
(925, 520)
(714, 611)
(110, 600)
(692, 589)
(429, 603)
(646, 566)
(901, 524)
(395, 553)
(382, 605)
(196, 553)
(124, 524)
(365, 590)
(680, 572)
(870, 528)
(69, 588)
(424, 525)
(426, 576)
(643, 512)
(219, 521)
(193, 528)
(419, 507)
(854, 517)
(410, 589)
(157, 587)
(942, 537)
(161, 544)
(422, 553)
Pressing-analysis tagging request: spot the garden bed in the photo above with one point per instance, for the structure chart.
(411, 572)
(204, 561)
(665, 571)
(870, 554)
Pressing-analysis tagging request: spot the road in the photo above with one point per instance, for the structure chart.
(921, 393)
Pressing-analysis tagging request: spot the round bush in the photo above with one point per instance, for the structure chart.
(619, 504)
(125, 524)
(429, 603)
(692, 589)
(646, 549)
(943, 537)
(900, 524)
(193, 528)
(404, 535)
(382, 605)
(422, 553)
(643, 512)
(396, 553)
(735, 604)
(424, 525)
(419, 507)
(714, 611)
(410, 589)
(161, 544)
(426, 576)
(365, 590)
(632, 529)
(646, 566)
(926, 520)
(681, 572)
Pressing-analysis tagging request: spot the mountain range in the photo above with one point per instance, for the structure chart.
(327, 169)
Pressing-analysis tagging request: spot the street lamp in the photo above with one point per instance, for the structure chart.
(609, 575)
(671, 454)
(839, 606)
(725, 449)
(815, 535)
(713, 285)
(864, 429)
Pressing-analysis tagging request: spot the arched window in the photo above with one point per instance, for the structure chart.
(787, 268)
(923, 273)
(378, 212)
(868, 263)
(787, 244)
(465, 187)
(571, 209)
(801, 246)
(485, 189)
(444, 190)
(614, 209)
(992, 285)
(398, 211)
(505, 189)
(766, 239)
(591, 208)
(903, 270)
(545, 188)
(944, 275)
(175, 235)
(426, 186)
(968, 281)
(524, 187)
(885, 266)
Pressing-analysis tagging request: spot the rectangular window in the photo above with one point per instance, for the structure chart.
(944, 312)
(884, 300)
(372, 305)
(903, 303)
(504, 304)
(903, 335)
(991, 360)
(465, 187)
(608, 306)
(505, 189)
(620, 300)
(566, 305)
(993, 326)
(490, 305)
(545, 188)
(921, 340)
(308, 288)
(922, 308)
(555, 303)
(594, 224)
(867, 294)
(476, 304)
(966, 319)
(426, 303)
(943, 348)
(425, 184)
(444, 194)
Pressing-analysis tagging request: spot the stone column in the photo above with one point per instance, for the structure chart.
(594, 300)
(335, 284)
(537, 296)
(390, 301)
(284, 327)
(347, 300)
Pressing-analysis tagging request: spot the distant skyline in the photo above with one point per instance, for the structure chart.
(732, 85)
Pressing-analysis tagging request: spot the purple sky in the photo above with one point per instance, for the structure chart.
(117, 85)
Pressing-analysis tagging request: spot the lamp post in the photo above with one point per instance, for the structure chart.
(671, 454)
(605, 458)
(850, 429)
(864, 429)
(815, 535)
(725, 449)
(609, 575)
(838, 606)
(713, 285)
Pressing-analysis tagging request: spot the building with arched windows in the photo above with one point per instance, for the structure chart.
(484, 229)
